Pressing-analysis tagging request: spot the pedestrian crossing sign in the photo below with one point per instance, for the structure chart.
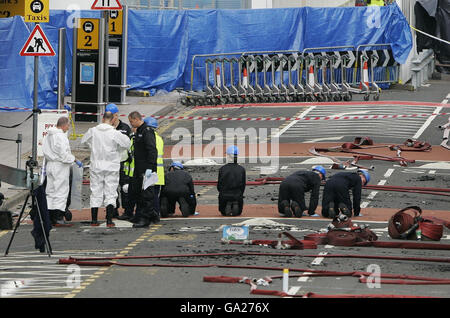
(37, 44)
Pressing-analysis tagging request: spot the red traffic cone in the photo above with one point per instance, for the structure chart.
(245, 79)
(311, 76)
(365, 76)
(218, 78)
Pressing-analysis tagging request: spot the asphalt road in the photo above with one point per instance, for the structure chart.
(26, 273)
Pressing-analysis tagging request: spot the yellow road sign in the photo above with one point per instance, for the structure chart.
(88, 34)
(11, 8)
(116, 22)
(37, 11)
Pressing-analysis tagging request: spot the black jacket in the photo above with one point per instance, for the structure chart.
(145, 152)
(123, 128)
(232, 179)
(178, 183)
(344, 182)
(309, 181)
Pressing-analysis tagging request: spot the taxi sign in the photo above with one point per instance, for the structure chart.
(115, 22)
(88, 34)
(37, 11)
(37, 44)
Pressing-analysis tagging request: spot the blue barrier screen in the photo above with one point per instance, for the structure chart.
(161, 43)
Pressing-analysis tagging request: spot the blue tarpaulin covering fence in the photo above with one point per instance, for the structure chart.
(161, 43)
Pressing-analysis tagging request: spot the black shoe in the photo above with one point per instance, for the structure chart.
(109, 216)
(60, 219)
(235, 208)
(125, 217)
(156, 219)
(94, 214)
(295, 207)
(68, 215)
(285, 207)
(331, 212)
(184, 207)
(141, 224)
(344, 210)
(228, 209)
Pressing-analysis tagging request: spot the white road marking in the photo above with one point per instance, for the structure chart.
(427, 123)
(292, 123)
(318, 260)
(294, 290)
(389, 173)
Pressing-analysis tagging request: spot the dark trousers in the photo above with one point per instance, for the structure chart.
(124, 197)
(334, 193)
(291, 191)
(225, 197)
(41, 202)
(187, 204)
(145, 205)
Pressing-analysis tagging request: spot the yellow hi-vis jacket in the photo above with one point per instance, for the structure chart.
(376, 3)
(128, 165)
(160, 160)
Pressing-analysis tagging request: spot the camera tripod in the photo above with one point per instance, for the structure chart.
(31, 165)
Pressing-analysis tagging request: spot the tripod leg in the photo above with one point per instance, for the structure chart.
(47, 243)
(17, 224)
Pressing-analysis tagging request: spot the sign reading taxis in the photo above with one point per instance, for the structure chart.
(88, 34)
(37, 11)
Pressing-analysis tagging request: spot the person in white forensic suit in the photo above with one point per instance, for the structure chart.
(106, 144)
(59, 159)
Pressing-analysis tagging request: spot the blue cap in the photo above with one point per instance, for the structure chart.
(321, 170)
(177, 165)
(112, 108)
(151, 122)
(366, 175)
(233, 150)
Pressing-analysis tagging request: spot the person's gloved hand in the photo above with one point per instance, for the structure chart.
(125, 188)
(79, 163)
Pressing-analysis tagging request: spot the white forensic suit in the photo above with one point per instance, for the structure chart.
(107, 145)
(59, 158)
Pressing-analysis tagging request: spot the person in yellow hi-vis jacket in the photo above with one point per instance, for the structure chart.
(375, 2)
(153, 123)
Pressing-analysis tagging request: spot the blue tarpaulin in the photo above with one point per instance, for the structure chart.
(161, 43)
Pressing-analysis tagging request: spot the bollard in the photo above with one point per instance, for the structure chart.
(285, 280)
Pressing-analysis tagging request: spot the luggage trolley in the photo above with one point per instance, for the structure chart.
(372, 88)
(298, 67)
(326, 89)
(284, 91)
(275, 89)
(242, 89)
(259, 91)
(225, 95)
(267, 92)
(313, 90)
(335, 60)
(346, 89)
(249, 64)
(209, 92)
(234, 92)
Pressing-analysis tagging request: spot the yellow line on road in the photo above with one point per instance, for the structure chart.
(101, 271)
(2, 233)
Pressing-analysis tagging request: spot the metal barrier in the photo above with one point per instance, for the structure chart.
(315, 74)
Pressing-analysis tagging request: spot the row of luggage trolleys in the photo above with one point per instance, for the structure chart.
(313, 75)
